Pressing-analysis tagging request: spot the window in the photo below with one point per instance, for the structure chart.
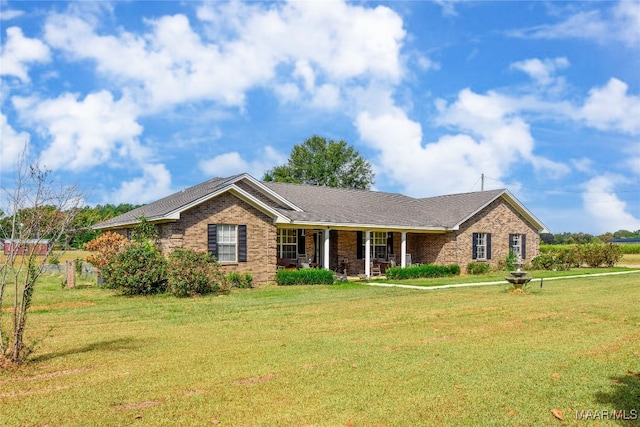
(481, 246)
(227, 243)
(378, 244)
(518, 244)
(287, 243)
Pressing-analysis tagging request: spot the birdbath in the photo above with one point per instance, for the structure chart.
(518, 278)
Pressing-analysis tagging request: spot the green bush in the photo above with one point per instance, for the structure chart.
(240, 280)
(477, 268)
(426, 270)
(192, 273)
(567, 256)
(140, 269)
(598, 255)
(309, 276)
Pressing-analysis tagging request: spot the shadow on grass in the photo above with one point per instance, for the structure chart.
(625, 398)
(109, 345)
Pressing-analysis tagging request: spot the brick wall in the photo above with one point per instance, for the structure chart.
(191, 232)
(499, 219)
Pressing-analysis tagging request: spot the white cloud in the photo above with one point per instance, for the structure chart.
(154, 184)
(611, 108)
(13, 145)
(490, 139)
(605, 208)
(9, 14)
(19, 51)
(542, 71)
(83, 133)
(173, 64)
(232, 163)
(621, 23)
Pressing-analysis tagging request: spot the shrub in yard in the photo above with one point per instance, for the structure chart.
(426, 270)
(104, 247)
(545, 261)
(477, 268)
(140, 269)
(310, 276)
(192, 273)
(240, 280)
(597, 255)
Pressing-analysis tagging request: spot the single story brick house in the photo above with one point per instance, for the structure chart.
(256, 226)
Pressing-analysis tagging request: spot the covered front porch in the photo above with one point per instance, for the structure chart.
(354, 252)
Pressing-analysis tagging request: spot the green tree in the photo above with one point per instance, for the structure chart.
(322, 163)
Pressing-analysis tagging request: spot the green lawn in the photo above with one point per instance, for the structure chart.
(337, 355)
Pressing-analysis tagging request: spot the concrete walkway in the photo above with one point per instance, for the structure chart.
(501, 282)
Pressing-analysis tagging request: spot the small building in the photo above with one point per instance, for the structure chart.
(255, 226)
(28, 246)
(625, 241)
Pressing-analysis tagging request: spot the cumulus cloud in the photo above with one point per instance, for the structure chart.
(20, 51)
(607, 210)
(611, 108)
(172, 64)
(487, 138)
(154, 184)
(83, 133)
(621, 23)
(13, 145)
(232, 163)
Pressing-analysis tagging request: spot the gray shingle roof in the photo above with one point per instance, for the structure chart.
(333, 206)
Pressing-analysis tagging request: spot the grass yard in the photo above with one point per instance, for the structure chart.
(341, 355)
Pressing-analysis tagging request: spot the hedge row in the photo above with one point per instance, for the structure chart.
(565, 257)
(308, 276)
(426, 270)
(626, 249)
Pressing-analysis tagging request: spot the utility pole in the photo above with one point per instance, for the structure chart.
(482, 182)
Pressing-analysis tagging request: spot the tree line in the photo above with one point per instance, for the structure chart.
(585, 238)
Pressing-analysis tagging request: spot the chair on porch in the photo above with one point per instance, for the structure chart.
(303, 261)
(375, 269)
(408, 260)
(392, 260)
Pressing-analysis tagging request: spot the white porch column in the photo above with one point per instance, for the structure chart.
(403, 250)
(326, 249)
(367, 253)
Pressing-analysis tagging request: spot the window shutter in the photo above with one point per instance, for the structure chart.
(360, 252)
(524, 246)
(242, 243)
(212, 240)
(511, 243)
(302, 245)
(390, 242)
(474, 246)
(488, 245)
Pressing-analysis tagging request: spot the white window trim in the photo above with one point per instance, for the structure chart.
(220, 243)
(281, 244)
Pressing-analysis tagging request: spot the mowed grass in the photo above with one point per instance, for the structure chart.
(337, 355)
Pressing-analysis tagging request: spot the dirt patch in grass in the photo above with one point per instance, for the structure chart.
(254, 380)
(28, 392)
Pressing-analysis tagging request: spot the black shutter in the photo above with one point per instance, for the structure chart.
(511, 242)
(488, 245)
(474, 246)
(212, 239)
(390, 242)
(359, 251)
(524, 246)
(242, 243)
(302, 243)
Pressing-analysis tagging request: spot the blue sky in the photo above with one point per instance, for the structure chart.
(136, 100)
